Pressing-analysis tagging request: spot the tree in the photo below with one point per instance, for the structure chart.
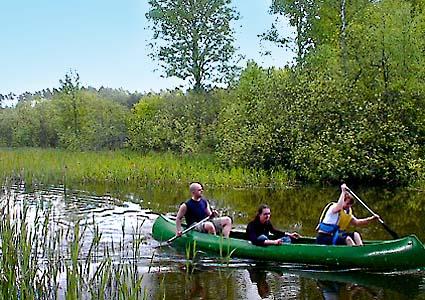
(301, 15)
(120, 95)
(70, 111)
(193, 40)
(105, 126)
(7, 120)
(69, 89)
(7, 100)
(175, 121)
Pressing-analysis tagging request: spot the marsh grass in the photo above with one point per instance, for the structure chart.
(40, 261)
(50, 166)
(225, 251)
(191, 256)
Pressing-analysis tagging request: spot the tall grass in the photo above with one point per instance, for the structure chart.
(51, 166)
(40, 261)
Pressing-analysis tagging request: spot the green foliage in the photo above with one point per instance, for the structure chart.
(194, 40)
(319, 128)
(28, 124)
(72, 118)
(7, 118)
(120, 96)
(352, 137)
(103, 124)
(352, 108)
(183, 123)
(353, 104)
(264, 122)
(301, 15)
(70, 104)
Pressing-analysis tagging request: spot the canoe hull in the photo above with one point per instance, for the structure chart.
(406, 253)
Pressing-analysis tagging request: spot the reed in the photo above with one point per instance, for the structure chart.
(53, 166)
(191, 256)
(38, 261)
(225, 251)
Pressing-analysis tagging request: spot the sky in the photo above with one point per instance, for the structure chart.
(105, 41)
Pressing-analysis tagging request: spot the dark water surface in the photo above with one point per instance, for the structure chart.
(121, 211)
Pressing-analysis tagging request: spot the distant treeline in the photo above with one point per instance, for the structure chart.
(352, 107)
(71, 117)
(121, 96)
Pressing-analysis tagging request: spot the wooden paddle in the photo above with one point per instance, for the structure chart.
(389, 230)
(191, 227)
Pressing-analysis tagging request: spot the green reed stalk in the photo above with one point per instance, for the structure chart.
(224, 250)
(94, 245)
(33, 259)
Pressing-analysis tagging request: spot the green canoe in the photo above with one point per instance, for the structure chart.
(406, 253)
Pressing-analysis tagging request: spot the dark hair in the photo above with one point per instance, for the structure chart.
(351, 201)
(260, 210)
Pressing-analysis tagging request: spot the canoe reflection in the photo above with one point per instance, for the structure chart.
(333, 290)
(275, 282)
(208, 278)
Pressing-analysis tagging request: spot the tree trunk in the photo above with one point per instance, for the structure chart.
(343, 37)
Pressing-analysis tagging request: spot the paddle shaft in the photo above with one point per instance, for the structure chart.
(364, 204)
(187, 229)
(390, 231)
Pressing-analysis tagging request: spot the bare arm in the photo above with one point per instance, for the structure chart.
(294, 235)
(364, 221)
(208, 210)
(180, 214)
(340, 202)
(273, 242)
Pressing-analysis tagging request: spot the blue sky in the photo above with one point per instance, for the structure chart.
(103, 40)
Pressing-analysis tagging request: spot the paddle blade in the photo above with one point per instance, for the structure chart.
(390, 231)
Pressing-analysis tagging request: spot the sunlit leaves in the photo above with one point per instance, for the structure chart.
(173, 121)
(193, 40)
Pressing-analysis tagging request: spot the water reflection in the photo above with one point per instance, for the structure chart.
(284, 283)
(293, 209)
(365, 285)
(259, 278)
(121, 213)
(119, 223)
(275, 284)
(332, 290)
(197, 284)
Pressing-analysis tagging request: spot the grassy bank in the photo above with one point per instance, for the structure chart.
(50, 166)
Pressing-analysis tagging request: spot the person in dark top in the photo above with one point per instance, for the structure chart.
(259, 230)
(197, 208)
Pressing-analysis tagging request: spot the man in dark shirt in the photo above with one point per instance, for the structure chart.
(260, 228)
(196, 209)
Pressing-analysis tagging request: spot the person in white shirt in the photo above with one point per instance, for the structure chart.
(335, 219)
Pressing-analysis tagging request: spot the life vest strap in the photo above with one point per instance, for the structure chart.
(328, 228)
(331, 229)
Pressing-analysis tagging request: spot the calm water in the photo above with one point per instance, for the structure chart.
(122, 211)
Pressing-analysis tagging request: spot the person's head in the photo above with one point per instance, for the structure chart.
(348, 201)
(263, 213)
(196, 190)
